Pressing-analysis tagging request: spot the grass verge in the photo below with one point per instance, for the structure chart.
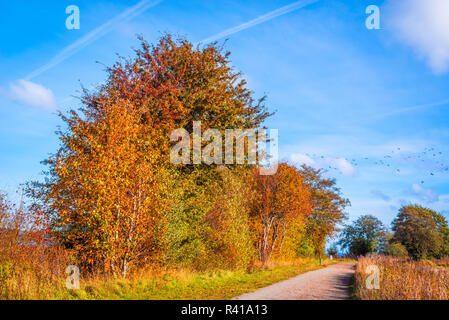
(181, 284)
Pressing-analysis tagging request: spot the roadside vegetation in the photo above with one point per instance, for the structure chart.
(191, 284)
(33, 268)
(401, 279)
(409, 263)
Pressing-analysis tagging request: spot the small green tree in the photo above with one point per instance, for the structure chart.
(395, 249)
(333, 250)
(367, 234)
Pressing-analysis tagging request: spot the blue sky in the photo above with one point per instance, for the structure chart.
(370, 104)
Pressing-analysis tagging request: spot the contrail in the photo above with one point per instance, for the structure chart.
(413, 108)
(266, 17)
(95, 34)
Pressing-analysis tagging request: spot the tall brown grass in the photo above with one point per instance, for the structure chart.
(32, 266)
(402, 279)
(441, 262)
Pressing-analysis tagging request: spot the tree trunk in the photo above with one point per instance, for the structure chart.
(125, 268)
(264, 254)
(281, 242)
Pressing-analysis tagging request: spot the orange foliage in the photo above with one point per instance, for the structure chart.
(280, 200)
(107, 186)
(106, 192)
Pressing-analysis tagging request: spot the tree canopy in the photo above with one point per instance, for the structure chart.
(422, 231)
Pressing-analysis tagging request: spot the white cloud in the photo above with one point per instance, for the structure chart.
(341, 164)
(300, 159)
(345, 167)
(31, 93)
(423, 25)
(425, 194)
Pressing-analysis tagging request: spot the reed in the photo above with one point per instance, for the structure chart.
(402, 279)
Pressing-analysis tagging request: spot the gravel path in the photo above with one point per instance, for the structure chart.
(331, 283)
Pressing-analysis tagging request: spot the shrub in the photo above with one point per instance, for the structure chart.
(396, 250)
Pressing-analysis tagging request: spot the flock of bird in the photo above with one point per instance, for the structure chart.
(430, 161)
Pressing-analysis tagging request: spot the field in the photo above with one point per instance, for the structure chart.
(401, 279)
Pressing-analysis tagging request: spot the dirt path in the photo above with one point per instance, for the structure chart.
(331, 283)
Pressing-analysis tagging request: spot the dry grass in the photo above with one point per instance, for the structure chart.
(402, 279)
(30, 273)
(441, 262)
(31, 265)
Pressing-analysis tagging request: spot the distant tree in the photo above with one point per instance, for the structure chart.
(333, 250)
(328, 208)
(396, 249)
(366, 234)
(420, 230)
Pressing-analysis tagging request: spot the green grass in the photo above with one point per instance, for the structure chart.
(196, 286)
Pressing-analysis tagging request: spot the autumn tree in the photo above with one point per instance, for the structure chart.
(106, 189)
(328, 208)
(208, 91)
(278, 201)
(175, 84)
